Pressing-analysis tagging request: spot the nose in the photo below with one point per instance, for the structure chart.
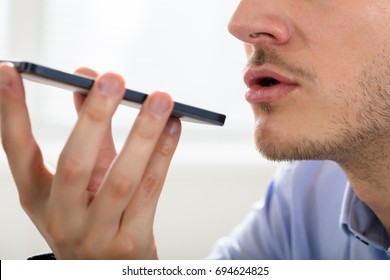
(260, 22)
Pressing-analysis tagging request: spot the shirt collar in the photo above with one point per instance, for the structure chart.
(358, 219)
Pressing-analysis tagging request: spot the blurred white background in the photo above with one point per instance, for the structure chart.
(180, 46)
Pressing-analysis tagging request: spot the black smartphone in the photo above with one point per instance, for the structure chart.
(41, 74)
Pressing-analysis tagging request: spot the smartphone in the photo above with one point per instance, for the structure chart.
(77, 83)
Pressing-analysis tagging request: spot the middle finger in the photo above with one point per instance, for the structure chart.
(128, 169)
(77, 160)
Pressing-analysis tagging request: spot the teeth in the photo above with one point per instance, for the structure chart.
(269, 82)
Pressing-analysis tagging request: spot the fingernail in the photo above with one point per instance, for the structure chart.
(158, 106)
(109, 86)
(172, 127)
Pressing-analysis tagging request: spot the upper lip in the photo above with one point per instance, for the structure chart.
(255, 76)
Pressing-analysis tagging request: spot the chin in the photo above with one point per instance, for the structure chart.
(278, 149)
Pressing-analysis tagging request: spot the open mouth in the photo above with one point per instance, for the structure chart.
(268, 82)
(265, 85)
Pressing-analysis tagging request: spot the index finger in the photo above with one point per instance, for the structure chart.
(23, 153)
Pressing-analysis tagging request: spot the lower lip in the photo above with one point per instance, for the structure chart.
(259, 94)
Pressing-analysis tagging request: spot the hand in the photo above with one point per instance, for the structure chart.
(98, 204)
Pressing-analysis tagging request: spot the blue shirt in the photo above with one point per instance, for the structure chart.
(310, 212)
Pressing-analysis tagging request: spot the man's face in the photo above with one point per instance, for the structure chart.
(318, 75)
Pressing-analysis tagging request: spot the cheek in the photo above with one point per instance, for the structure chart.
(343, 42)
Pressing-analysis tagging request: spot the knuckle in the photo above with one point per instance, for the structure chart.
(70, 168)
(58, 237)
(97, 114)
(128, 246)
(121, 185)
(12, 145)
(5, 143)
(165, 148)
(27, 205)
(146, 128)
(150, 184)
(146, 133)
(87, 249)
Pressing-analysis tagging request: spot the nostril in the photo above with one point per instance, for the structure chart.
(261, 34)
(255, 35)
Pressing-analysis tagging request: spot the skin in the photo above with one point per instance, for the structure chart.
(101, 204)
(338, 52)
